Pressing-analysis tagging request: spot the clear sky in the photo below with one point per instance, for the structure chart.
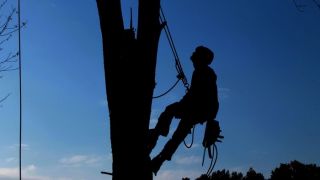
(267, 63)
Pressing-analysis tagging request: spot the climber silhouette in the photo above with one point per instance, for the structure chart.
(199, 105)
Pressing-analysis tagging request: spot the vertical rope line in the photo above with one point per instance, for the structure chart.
(174, 51)
(20, 90)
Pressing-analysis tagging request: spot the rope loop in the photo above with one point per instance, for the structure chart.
(192, 138)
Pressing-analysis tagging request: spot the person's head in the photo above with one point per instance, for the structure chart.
(202, 55)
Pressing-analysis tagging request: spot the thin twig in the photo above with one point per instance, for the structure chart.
(4, 98)
(6, 23)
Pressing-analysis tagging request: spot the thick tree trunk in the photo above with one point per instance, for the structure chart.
(130, 72)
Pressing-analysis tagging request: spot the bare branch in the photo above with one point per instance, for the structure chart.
(5, 64)
(9, 68)
(10, 32)
(5, 25)
(8, 26)
(5, 40)
(4, 98)
(9, 58)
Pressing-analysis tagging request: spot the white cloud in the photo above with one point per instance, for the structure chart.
(80, 160)
(177, 174)
(10, 159)
(74, 159)
(8, 172)
(188, 160)
(28, 173)
(31, 168)
(23, 146)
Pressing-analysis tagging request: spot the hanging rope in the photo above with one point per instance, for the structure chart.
(178, 66)
(181, 76)
(192, 138)
(20, 91)
(170, 89)
(213, 158)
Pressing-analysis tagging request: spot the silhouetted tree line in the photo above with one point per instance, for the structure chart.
(226, 175)
(294, 170)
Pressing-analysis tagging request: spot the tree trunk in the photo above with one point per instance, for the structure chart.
(129, 64)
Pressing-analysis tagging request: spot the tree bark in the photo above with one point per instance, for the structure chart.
(129, 64)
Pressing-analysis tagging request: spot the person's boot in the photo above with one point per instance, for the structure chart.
(156, 163)
(153, 136)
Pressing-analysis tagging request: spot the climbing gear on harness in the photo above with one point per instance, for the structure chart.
(211, 136)
(181, 76)
(212, 133)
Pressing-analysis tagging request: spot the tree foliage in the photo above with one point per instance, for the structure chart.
(294, 170)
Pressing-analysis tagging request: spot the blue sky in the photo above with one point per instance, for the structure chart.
(267, 62)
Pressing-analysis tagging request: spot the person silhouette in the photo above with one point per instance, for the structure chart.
(198, 105)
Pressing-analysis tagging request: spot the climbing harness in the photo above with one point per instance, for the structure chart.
(211, 136)
(181, 76)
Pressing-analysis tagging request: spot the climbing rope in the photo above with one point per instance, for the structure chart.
(178, 66)
(166, 92)
(181, 76)
(192, 138)
(213, 158)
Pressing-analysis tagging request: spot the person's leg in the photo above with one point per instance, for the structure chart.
(172, 145)
(163, 125)
(166, 117)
